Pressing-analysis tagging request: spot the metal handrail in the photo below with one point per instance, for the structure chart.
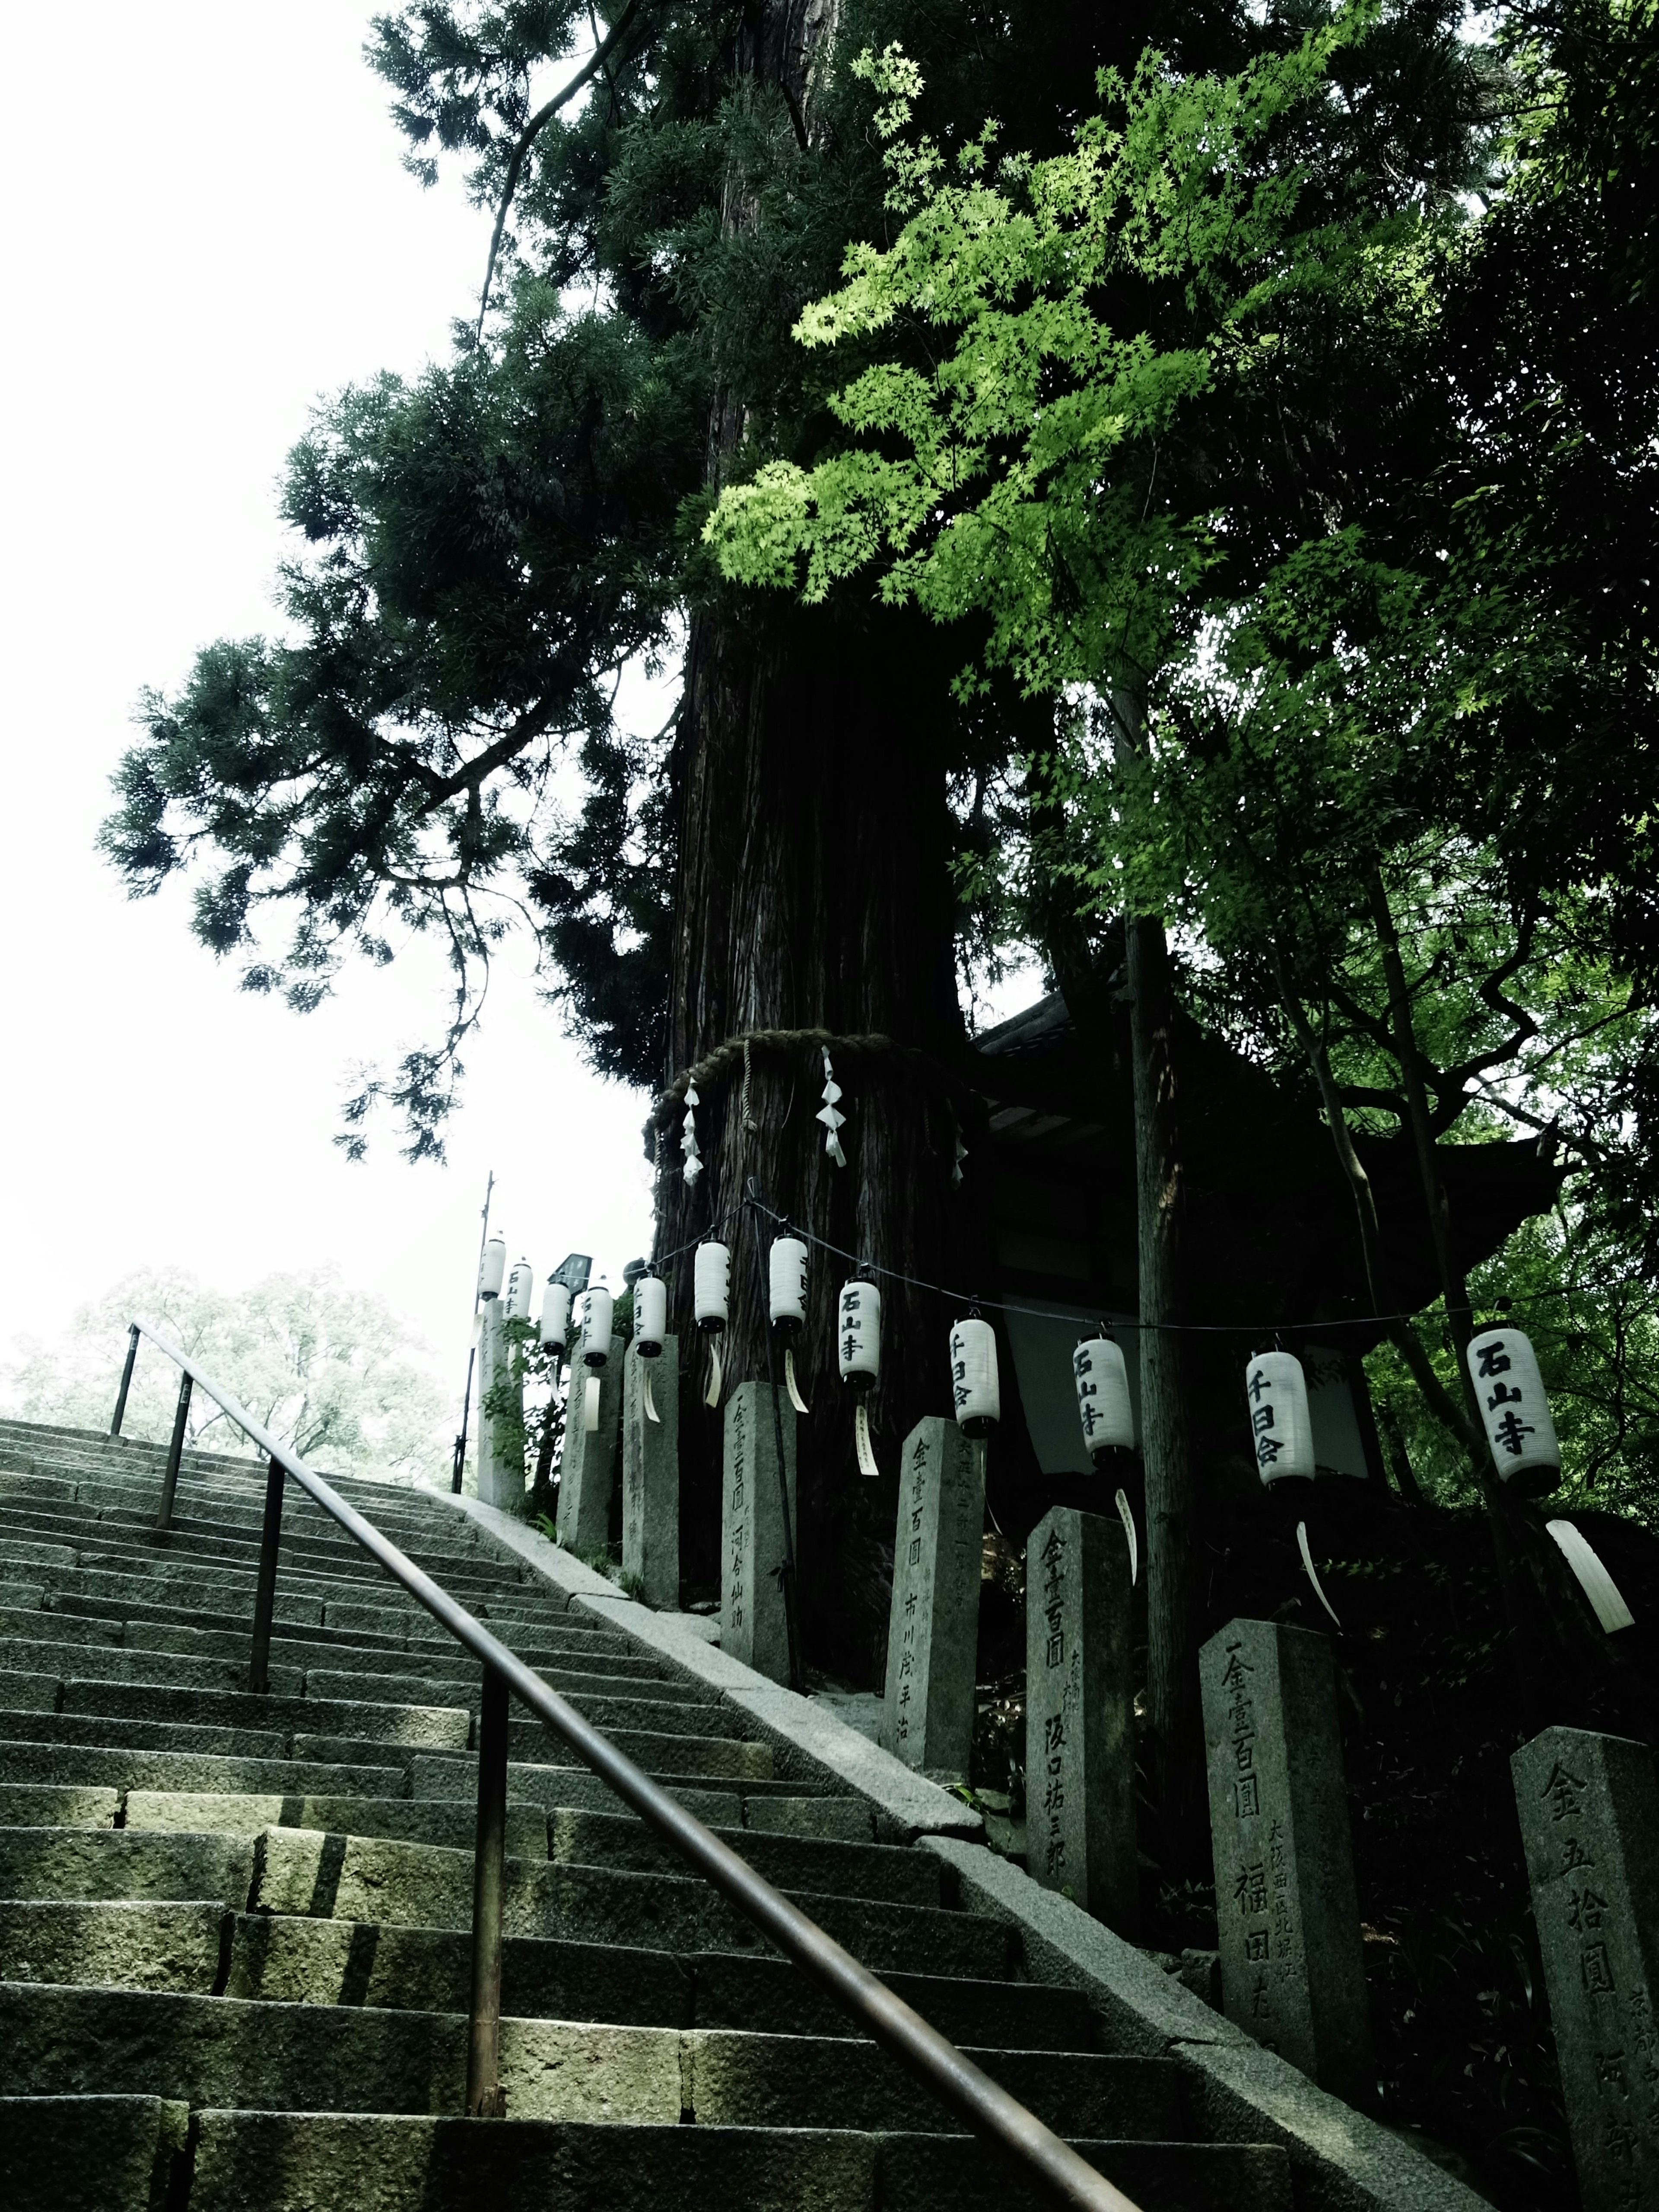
(952, 2077)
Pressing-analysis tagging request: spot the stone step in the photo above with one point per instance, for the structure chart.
(630, 1710)
(103, 1730)
(107, 1864)
(133, 1944)
(872, 1870)
(116, 1663)
(431, 1727)
(292, 1960)
(659, 1752)
(784, 1806)
(120, 1528)
(408, 1819)
(127, 1767)
(284, 2162)
(90, 2154)
(29, 1692)
(349, 1877)
(20, 1554)
(599, 1651)
(57, 1805)
(573, 1682)
(361, 2058)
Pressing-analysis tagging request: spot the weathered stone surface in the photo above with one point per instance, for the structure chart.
(131, 1945)
(1589, 1817)
(876, 1870)
(449, 1823)
(110, 1863)
(88, 2153)
(651, 1474)
(295, 2164)
(932, 1627)
(754, 1630)
(501, 1438)
(1079, 1714)
(57, 1805)
(587, 1469)
(121, 1767)
(1291, 1970)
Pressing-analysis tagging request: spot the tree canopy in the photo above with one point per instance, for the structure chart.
(329, 1370)
(1216, 448)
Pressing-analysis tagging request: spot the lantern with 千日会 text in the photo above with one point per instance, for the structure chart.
(1281, 1435)
(1107, 1419)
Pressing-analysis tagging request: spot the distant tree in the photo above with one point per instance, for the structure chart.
(331, 1371)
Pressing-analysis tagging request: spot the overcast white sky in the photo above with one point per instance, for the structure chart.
(206, 228)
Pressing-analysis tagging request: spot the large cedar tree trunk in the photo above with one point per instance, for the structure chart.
(814, 893)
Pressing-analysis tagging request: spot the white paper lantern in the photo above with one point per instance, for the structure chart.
(788, 1281)
(858, 1334)
(492, 1269)
(974, 1385)
(711, 1286)
(520, 1288)
(1102, 1396)
(650, 1315)
(596, 1327)
(555, 1315)
(1516, 1412)
(1281, 1433)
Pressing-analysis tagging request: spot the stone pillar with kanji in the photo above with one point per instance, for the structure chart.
(1589, 1818)
(753, 1623)
(501, 1413)
(587, 1465)
(1292, 1968)
(1079, 1715)
(932, 1630)
(651, 1474)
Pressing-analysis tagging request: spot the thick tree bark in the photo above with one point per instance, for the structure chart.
(1172, 1612)
(814, 894)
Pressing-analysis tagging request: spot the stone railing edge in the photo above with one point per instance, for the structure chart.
(1343, 2159)
(823, 1745)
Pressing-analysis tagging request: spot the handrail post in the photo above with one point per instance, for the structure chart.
(120, 1412)
(485, 2100)
(175, 1453)
(264, 1595)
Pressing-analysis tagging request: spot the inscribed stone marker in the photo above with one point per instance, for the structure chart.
(1079, 1714)
(1589, 1818)
(651, 1474)
(587, 1470)
(753, 1626)
(932, 1624)
(501, 1440)
(1292, 1972)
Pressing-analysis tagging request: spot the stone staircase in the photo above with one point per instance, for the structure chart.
(234, 1929)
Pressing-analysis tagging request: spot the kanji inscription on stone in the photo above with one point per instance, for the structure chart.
(1589, 1818)
(587, 1467)
(651, 1474)
(501, 1440)
(1293, 1972)
(933, 1630)
(1079, 1714)
(754, 1626)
